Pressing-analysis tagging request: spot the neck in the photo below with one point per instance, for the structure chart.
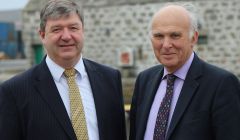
(67, 63)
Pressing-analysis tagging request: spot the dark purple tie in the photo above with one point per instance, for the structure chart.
(163, 112)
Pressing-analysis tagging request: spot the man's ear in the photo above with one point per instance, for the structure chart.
(41, 34)
(195, 37)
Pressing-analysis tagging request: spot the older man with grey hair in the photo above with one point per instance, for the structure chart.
(184, 98)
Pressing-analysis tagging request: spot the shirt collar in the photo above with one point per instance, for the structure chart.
(57, 71)
(182, 71)
(80, 67)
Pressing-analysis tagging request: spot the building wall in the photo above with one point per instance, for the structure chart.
(112, 26)
(94, 3)
(30, 32)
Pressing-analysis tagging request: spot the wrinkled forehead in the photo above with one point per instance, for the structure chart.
(171, 16)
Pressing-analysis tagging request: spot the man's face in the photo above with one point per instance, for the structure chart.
(63, 39)
(172, 43)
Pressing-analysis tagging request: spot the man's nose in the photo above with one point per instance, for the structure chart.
(66, 34)
(167, 43)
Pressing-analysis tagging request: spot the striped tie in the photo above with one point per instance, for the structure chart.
(77, 111)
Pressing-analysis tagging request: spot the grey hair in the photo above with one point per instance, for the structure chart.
(55, 9)
(192, 12)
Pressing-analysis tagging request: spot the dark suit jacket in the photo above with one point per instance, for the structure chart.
(31, 107)
(208, 107)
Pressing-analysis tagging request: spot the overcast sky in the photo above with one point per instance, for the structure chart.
(12, 4)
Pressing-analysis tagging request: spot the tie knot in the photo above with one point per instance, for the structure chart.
(171, 77)
(70, 72)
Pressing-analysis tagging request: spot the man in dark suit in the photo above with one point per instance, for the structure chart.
(36, 105)
(184, 98)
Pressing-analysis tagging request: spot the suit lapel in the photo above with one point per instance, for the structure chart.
(98, 94)
(147, 102)
(47, 89)
(188, 90)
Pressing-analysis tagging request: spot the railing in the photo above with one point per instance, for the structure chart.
(9, 68)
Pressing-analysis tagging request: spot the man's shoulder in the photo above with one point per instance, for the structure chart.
(211, 72)
(152, 70)
(216, 70)
(20, 78)
(202, 67)
(90, 64)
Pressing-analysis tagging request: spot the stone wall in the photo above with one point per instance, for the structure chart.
(112, 26)
(30, 32)
(108, 29)
(97, 3)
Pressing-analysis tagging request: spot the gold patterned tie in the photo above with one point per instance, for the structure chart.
(77, 112)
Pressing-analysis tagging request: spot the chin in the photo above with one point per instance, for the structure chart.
(169, 64)
(67, 57)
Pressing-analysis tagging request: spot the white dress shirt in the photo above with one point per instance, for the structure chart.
(85, 93)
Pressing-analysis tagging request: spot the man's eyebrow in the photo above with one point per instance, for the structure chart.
(55, 26)
(176, 33)
(75, 24)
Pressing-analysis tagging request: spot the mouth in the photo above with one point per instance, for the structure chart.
(168, 54)
(67, 45)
